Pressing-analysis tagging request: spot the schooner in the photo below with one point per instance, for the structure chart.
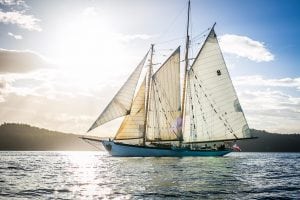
(204, 118)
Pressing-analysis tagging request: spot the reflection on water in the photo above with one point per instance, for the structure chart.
(92, 175)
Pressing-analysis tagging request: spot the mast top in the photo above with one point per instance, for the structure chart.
(188, 18)
(214, 25)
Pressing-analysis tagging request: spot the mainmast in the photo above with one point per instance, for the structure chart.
(148, 94)
(187, 44)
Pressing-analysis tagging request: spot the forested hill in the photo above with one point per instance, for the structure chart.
(25, 137)
(271, 142)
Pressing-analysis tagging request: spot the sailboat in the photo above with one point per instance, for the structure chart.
(204, 118)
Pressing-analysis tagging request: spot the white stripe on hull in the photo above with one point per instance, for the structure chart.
(125, 150)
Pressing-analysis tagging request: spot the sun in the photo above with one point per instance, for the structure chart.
(87, 47)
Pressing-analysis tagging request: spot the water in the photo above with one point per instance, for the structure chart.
(94, 175)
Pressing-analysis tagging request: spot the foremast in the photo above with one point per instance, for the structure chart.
(150, 71)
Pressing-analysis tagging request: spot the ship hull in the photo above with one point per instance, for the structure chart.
(127, 150)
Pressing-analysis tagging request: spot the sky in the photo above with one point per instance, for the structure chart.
(61, 62)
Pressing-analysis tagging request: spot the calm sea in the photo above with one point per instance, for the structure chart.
(95, 175)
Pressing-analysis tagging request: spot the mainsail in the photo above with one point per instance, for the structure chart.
(132, 126)
(164, 103)
(214, 109)
(121, 104)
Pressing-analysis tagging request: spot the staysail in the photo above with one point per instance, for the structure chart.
(164, 104)
(214, 109)
(132, 126)
(120, 105)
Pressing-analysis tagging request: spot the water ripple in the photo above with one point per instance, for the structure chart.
(94, 175)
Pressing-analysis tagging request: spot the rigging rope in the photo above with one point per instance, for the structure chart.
(173, 22)
(163, 110)
(170, 40)
(200, 35)
(201, 109)
(156, 113)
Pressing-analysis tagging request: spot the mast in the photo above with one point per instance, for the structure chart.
(148, 94)
(187, 44)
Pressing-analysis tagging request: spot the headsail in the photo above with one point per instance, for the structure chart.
(164, 107)
(215, 112)
(132, 126)
(120, 105)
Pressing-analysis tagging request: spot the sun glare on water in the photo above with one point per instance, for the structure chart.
(82, 168)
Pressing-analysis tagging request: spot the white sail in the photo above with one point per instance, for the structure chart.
(186, 115)
(120, 105)
(215, 112)
(164, 104)
(133, 125)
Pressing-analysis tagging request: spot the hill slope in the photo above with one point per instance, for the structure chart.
(271, 142)
(25, 137)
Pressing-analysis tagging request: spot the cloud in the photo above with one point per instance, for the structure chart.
(269, 103)
(271, 110)
(128, 38)
(13, 3)
(258, 80)
(14, 61)
(3, 88)
(2, 85)
(17, 37)
(24, 21)
(245, 47)
(54, 99)
(68, 113)
(89, 11)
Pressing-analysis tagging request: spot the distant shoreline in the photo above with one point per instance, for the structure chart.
(23, 137)
(86, 151)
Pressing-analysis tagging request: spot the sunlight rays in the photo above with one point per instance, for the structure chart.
(86, 48)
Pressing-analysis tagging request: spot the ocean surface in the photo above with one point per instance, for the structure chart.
(95, 175)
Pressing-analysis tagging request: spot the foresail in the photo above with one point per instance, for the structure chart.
(120, 105)
(163, 121)
(132, 126)
(215, 111)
